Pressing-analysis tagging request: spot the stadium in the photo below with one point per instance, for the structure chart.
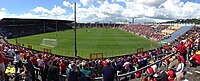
(46, 49)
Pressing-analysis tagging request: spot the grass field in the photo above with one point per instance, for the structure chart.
(111, 42)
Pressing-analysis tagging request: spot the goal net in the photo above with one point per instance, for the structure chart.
(49, 42)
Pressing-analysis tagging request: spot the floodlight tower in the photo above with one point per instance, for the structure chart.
(133, 19)
(75, 45)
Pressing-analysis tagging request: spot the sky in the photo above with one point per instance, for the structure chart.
(102, 10)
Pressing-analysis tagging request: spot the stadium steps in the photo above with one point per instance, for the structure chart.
(178, 33)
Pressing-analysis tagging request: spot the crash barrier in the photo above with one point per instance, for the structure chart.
(131, 73)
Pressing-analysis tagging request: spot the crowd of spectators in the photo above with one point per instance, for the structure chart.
(98, 25)
(152, 32)
(76, 69)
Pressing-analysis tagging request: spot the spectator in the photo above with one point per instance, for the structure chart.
(17, 61)
(73, 72)
(63, 67)
(162, 75)
(85, 70)
(45, 71)
(182, 50)
(179, 70)
(171, 74)
(2, 67)
(53, 72)
(108, 72)
(195, 60)
(30, 68)
(41, 66)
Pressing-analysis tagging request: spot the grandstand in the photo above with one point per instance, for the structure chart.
(132, 66)
(18, 27)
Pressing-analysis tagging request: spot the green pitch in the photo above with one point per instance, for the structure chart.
(111, 42)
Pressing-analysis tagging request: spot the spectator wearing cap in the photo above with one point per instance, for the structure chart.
(108, 72)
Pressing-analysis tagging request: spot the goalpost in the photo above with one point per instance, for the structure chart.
(49, 42)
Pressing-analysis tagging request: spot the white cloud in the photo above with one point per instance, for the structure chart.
(101, 1)
(150, 10)
(87, 2)
(3, 12)
(67, 4)
(56, 10)
(40, 9)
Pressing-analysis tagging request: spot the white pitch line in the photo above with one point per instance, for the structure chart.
(189, 72)
(197, 72)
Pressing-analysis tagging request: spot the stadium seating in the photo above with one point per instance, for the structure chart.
(150, 31)
(136, 61)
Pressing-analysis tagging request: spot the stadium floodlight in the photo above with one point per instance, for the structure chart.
(75, 48)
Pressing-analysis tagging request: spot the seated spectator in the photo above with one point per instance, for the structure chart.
(162, 75)
(195, 60)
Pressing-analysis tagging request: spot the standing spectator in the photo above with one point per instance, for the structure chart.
(41, 66)
(63, 67)
(34, 60)
(99, 68)
(53, 72)
(73, 72)
(45, 71)
(108, 72)
(17, 61)
(182, 50)
(85, 70)
(2, 68)
(30, 68)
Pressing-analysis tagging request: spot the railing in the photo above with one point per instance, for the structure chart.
(130, 73)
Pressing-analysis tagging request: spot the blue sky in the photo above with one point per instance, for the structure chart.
(102, 10)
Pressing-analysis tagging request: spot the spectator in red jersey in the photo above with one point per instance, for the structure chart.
(181, 58)
(6, 62)
(171, 74)
(63, 66)
(150, 72)
(195, 60)
(182, 50)
(2, 67)
(34, 60)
